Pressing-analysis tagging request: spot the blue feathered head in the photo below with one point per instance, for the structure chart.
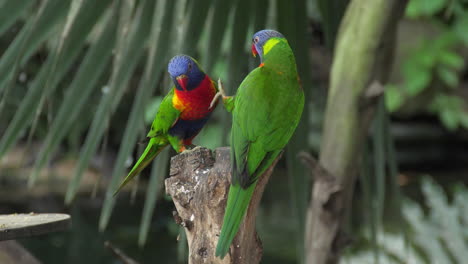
(185, 72)
(260, 38)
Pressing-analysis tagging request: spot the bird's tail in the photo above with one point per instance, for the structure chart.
(154, 147)
(237, 203)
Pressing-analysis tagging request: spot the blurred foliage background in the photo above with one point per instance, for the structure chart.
(80, 82)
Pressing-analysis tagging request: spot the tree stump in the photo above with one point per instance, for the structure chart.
(198, 184)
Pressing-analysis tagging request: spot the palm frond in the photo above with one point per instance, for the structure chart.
(72, 38)
(155, 185)
(131, 36)
(216, 31)
(158, 44)
(299, 178)
(25, 43)
(11, 11)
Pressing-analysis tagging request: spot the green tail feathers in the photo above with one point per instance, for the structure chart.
(154, 147)
(238, 201)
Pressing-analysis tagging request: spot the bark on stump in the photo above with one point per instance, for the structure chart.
(198, 184)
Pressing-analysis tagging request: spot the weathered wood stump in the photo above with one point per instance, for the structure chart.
(198, 184)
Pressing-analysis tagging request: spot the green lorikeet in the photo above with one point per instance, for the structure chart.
(182, 114)
(265, 112)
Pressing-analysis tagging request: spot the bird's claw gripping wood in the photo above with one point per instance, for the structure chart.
(189, 150)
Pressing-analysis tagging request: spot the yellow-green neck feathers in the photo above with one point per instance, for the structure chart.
(277, 54)
(270, 44)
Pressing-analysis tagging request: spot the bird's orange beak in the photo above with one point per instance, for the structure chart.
(182, 80)
(254, 51)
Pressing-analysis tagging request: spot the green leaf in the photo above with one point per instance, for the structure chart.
(26, 42)
(394, 193)
(368, 198)
(451, 59)
(417, 8)
(460, 28)
(424, 58)
(237, 59)
(378, 140)
(449, 118)
(292, 22)
(10, 11)
(179, 20)
(132, 34)
(449, 77)
(29, 39)
(216, 31)
(331, 11)
(260, 18)
(446, 40)
(91, 69)
(210, 136)
(8, 82)
(393, 97)
(74, 32)
(194, 22)
(158, 174)
(42, 86)
(464, 119)
(182, 250)
(417, 80)
(237, 53)
(152, 109)
(417, 71)
(161, 16)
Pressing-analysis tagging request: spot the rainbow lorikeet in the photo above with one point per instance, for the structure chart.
(182, 114)
(265, 112)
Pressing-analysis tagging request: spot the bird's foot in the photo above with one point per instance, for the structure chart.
(191, 148)
(220, 94)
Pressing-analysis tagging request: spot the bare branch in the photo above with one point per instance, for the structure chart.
(119, 253)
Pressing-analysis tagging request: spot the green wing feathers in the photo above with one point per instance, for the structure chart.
(228, 103)
(155, 146)
(249, 160)
(165, 118)
(238, 201)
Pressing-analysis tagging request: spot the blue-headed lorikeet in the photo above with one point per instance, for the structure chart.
(265, 112)
(182, 114)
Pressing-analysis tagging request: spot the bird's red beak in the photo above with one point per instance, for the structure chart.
(182, 80)
(254, 51)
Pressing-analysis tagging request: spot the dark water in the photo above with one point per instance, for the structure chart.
(83, 243)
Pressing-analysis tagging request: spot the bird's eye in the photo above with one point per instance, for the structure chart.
(190, 67)
(256, 40)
